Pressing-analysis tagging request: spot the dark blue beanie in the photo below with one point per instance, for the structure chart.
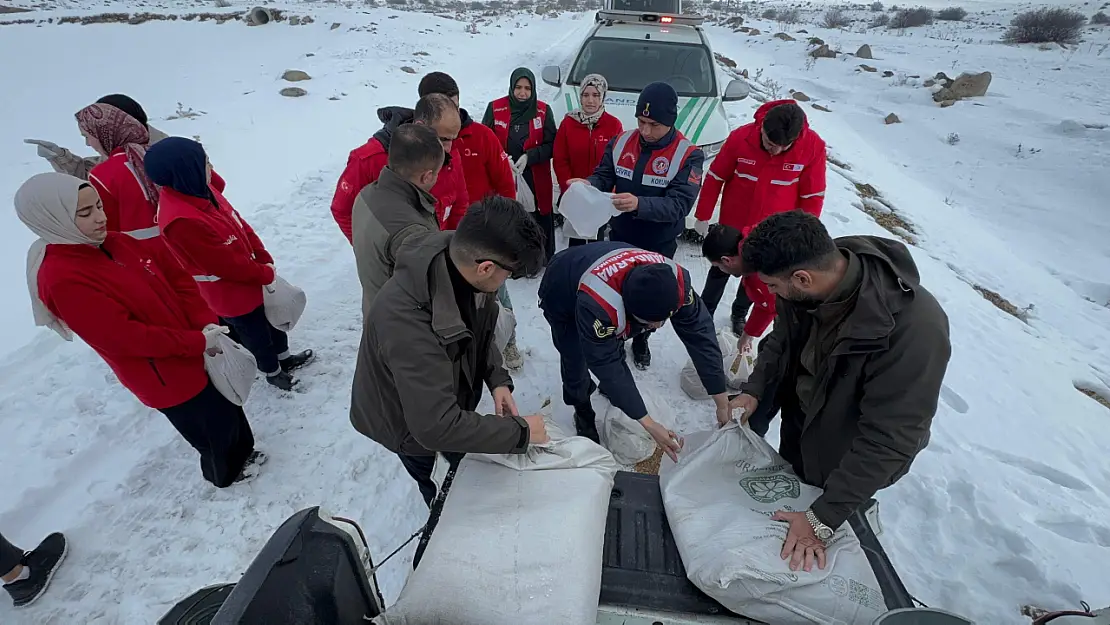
(650, 292)
(658, 102)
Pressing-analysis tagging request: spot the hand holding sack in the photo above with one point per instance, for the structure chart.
(738, 366)
(586, 209)
(284, 303)
(212, 333)
(229, 365)
(626, 438)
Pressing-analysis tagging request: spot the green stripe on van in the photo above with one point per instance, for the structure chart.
(692, 121)
(685, 112)
(570, 105)
(712, 108)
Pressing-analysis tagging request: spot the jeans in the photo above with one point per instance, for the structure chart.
(10, 556)
(420, 469)
(715, 283)
(264, 341)
(218, 430)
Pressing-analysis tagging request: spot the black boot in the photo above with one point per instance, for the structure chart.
(737, 324)
(282, 380)
(296, 361)
(641, 353)
(41, 565)
(585, 423)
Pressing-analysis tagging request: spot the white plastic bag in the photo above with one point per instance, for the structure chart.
(737, 368)
(506, 326)
(232, 370)
(586, 208)
(518, 542)
(719, 499)
(626, 438)
(283, 303)
(523, 193)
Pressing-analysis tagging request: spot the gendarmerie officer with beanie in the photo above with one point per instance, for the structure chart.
(594, 297)
(655, 174)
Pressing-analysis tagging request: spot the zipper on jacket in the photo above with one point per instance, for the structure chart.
(156, 372)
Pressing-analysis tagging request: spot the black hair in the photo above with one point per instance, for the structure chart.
(125, 104)
(786, 242)
(84, 185)
(499, 229)
(438, 82)
(721, 240)
(432, 107)
(783, 123)
(414, 148)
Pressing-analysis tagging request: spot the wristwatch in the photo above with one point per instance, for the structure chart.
(823, 532)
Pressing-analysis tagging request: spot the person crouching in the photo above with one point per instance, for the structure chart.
(221, 250)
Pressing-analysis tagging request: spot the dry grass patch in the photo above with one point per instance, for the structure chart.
(1093, 395)
(1004, 304)
(884, 214)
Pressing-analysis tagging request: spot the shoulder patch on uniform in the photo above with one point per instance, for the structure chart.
(695, 176)
(689, 297)
(603, 331)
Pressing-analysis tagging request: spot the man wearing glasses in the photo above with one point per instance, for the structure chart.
(596, 296)
(772, 165)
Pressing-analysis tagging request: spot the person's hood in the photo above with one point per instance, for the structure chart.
(178, 163)
(391, 117)
(421, 271)
(527, 109)
(889, 279)
(761, 114)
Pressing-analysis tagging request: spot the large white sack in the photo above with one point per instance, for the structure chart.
(524, 193)
(506, 326)
(231, 370)
(586, 208)
(519, 541)
(719, 499)
(283, 303)
(628, 441)
(737, 367)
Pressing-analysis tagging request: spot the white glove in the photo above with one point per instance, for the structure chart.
(521, 164)
(46, 148)
(702, 228)
(212, 332)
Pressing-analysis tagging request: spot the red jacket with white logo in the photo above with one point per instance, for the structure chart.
(219, 249)
(485, 163)
(366, 163)
(579, 148)
(125, 202)
(136, 307)
(757, 184)
(541, 172)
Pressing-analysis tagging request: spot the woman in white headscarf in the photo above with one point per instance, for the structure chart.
(581, 140)
(139, 310)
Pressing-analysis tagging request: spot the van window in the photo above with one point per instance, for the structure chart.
(645, 6)
(632, 64)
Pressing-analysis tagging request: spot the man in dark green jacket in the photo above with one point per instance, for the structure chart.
(854, 363)
(425, 353)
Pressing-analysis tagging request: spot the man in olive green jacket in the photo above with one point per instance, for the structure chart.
(854, 363)
(426, 344)
(396, 206)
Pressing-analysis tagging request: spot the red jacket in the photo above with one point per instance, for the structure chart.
(541, 172)
(218, 248)
(763, 305)
(366, 163)
(757, 184)
(487, 167)
(579, 148)
(125, 202)
(136, 307)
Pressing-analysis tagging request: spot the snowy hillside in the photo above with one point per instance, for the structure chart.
(1008, 504)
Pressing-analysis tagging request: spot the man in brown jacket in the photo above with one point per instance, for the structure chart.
(426, 344)
(854, 363)
(396, 206)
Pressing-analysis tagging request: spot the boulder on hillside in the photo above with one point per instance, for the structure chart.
(799, 96)
(293, 92)
(408, 70)
(888, 74)
(892, 119)
(784, 37)
(823, 52)
(816, 41)
(821, 108)
(744, 29)
(929, 82)
(753, 32)
(868, 68)
(942, 78)
(295, 75)
(864, 52)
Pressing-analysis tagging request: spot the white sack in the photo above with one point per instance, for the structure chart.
(506, 326)
(232, 370)
(626, 438)
(283, 303)
(719, 499)
(737, 368)
(519, 541)
(586, 208)
(523, 193)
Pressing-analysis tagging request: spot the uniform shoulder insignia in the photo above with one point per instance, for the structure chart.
(603, 331)
(689, 297)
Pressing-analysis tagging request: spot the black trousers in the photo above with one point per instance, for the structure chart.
(420, 469)
(572, 362)
(264, 341)
(639, 341)
(547, 224)
(218, 430)
(715, 283)
(10, 556)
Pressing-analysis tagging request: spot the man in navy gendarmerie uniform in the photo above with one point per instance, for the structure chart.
(594, 297)
(655, 175)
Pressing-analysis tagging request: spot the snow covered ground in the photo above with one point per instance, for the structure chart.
(1008, 505)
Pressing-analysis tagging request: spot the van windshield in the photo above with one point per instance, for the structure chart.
(645, 6)
(632, 64)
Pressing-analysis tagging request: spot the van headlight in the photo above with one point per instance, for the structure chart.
(711, 149)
